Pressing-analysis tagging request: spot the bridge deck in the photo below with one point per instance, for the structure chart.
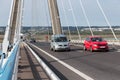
(29, 68)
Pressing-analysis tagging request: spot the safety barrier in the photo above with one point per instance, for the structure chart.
(7, 64)
(114, 42)
(50, 73)
(15, 71)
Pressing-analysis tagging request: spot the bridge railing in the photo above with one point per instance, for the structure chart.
(0, 46)
(7, 64)
(49, 72)
(109, 41)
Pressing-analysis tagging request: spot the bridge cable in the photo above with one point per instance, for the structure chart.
(32, 18)
(35, 16)
(61, 25)
(37, 13)
(75, 20)
(66, 19)
(47, 15)
(106, 19)
(35, 20)
(47, 21)
(85, 15)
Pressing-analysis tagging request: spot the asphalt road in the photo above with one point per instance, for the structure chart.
(82, 65)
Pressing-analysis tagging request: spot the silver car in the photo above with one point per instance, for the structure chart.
(59, 42)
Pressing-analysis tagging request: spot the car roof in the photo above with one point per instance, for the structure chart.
(58, 35)
(95, 37)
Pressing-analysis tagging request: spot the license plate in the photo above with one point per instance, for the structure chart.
(102, 46)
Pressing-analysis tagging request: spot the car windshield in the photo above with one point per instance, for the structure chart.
(60, 39)
(97, 39)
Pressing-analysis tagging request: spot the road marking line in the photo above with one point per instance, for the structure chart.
(81, 74)
(118, 50)
(50, 73)
(79, 51)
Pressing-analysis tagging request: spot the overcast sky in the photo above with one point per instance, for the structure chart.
(36, 12)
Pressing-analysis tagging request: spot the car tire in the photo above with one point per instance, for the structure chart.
(54, 49)
(91, 49)
(68, 50)
(107, 50)
(84, 48)
(51, 49)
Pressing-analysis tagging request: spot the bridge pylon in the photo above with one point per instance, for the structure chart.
(55, 18)
(13, 28)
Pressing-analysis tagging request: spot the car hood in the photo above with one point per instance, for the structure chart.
(100, 43)
(62, 43)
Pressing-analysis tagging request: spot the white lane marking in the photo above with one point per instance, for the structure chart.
(118, 50)
(80, 51)
(81, 74)
(50, 73)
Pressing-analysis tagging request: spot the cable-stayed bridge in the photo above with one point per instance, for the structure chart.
(21, 58)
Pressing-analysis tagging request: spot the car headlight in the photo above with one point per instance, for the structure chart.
(95, 45)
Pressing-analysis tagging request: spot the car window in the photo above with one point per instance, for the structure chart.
(87, 39)
(60, 39)
(97, 39)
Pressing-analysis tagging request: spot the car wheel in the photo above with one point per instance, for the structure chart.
(51, 49)
(69, 50)
(107, 50)
(84, 48)
(91, 49)
(54, 49)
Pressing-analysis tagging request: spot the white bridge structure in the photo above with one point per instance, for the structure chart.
(9, 55)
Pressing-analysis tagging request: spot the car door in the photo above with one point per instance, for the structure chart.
(87, 43)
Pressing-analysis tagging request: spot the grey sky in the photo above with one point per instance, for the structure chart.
(40, 16)
(4, 11)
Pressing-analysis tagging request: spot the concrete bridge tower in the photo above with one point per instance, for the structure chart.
(55, 18)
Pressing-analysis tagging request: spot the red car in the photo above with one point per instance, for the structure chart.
(95, 43)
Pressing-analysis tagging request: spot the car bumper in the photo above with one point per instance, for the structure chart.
(66, 48)
(100, 49)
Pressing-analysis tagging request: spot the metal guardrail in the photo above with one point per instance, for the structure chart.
(15, 71)
(1, 46)
(109, 42)
(7, 64)
(50, 73)
(113, 42)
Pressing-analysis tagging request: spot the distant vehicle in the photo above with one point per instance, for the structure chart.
(95, 43)
(59, 42)
(22, 37)
(33, 40)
